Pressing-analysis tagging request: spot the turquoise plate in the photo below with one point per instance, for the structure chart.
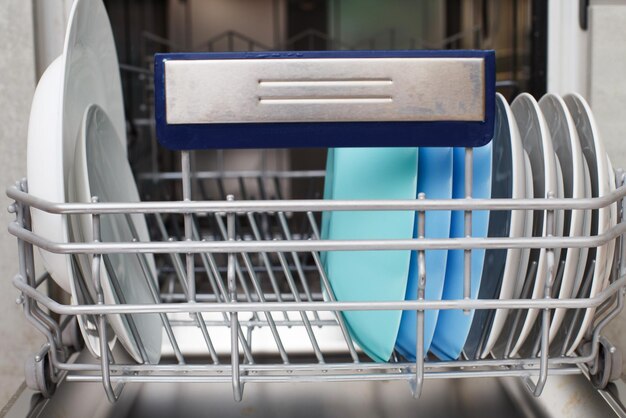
(435, 180)
(453, 326)
(328, 195)
(370, 173)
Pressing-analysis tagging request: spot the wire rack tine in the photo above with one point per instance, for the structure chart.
(418, 382)
(467, 254)
(532, 270)
(238, 273)
(296, 261)
(182, 279)
(265, 227)
(234, 316)
(105, 358)
(154, 292)
(28, 267)
(303, 314)
(268, 314)
(329, 291)
(180, 273)
(119, 294)
(537, 389)
(266, 261)
(189, 258)
(217, 286)
(600, 326)
(577, 312)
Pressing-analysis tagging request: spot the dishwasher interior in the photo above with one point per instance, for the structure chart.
(291, 360)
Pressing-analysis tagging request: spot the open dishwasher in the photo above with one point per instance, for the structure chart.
(246, 305)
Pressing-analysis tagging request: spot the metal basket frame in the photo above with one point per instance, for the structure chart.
(56, 361)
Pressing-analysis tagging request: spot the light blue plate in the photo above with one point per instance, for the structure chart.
(370, 173)
(435, 180)
(453, 326)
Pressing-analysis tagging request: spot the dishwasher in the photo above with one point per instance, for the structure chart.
(251, 323)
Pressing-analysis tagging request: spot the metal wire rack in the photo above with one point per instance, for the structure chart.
(239, 278)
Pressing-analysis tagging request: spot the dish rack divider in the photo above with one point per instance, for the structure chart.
(234, 270)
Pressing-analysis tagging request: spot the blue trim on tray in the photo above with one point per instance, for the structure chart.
(325, 134)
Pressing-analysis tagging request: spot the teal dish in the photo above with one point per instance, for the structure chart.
(453, 326)
(328, 195)
(435, 180)
(370, 173)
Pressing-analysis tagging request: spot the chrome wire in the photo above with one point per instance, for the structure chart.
(262, 258)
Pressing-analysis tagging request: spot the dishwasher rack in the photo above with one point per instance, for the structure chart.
(261, 258)
(242, 278)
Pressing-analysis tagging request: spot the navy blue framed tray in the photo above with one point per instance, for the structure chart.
(324, 99)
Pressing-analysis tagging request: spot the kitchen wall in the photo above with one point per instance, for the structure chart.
(50, 18)
(607, 97)
(17, 84)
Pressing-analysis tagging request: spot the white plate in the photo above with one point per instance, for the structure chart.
(536, 140)
(532, 344)
(45, 149)
(86, 73)
(559, 219)
(613, 213)
(501, 268)
(567, 149)
(595, 155)
(503, 321)
(101, 169)
(584, 252)
(556, 347)
(559, 215)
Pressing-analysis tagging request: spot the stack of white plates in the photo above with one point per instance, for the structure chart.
(540, 149)
(77, 131)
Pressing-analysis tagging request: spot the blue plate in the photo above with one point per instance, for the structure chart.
(453, 326)
(435, 180)
(370, 173)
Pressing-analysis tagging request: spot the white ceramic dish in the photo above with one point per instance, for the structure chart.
(91, 73)
(86, 73)
(595, 155)
(503, 321)
(557, 344)
(559, 215)
(45, 149)
(81, 295)
(567, 149)
(501, 268)
(101, 169)
(613, 213)
(538, 144)
(532, 343)
(584, 252)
